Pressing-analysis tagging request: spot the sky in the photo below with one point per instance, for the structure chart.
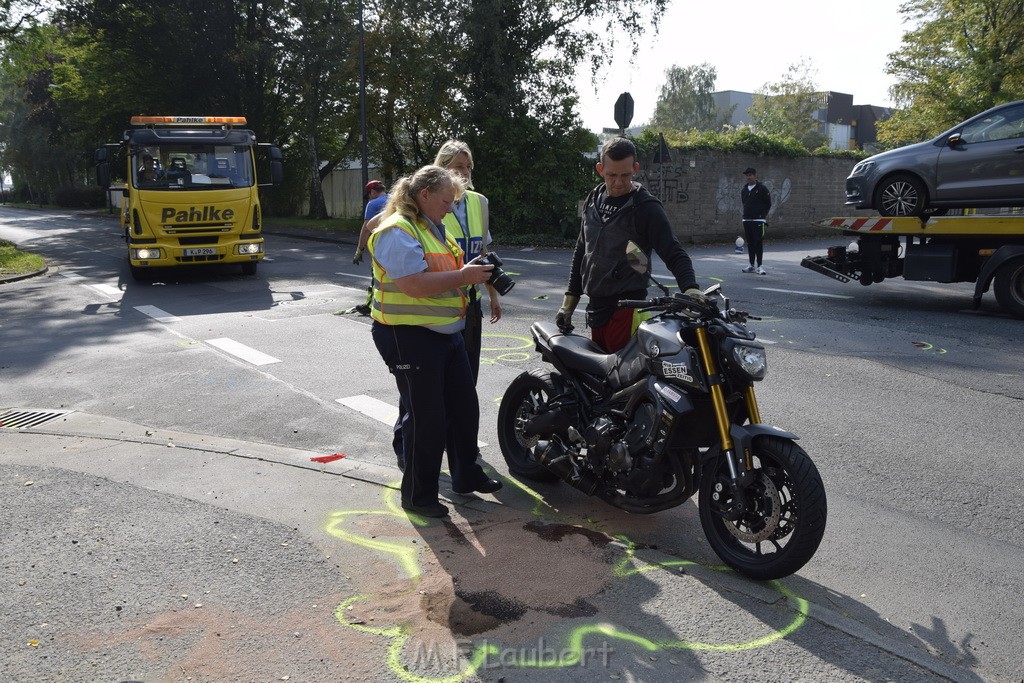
(751, 44)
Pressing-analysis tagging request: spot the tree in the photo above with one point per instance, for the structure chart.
(412, 96)
(520, 113)
(16, 15)
(495, 73)
(685, 101)
(786, 108)
(963, 57)
(37, 139)
(320, 85)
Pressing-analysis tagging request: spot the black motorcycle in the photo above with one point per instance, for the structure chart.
(672, 414)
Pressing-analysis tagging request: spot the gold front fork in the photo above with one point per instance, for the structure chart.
(717, 397)
(752, 411)
(718, 400)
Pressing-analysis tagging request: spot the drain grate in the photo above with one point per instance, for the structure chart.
(27, 419)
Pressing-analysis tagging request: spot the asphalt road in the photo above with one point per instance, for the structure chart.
(909, 402)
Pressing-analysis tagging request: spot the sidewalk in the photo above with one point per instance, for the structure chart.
(138, 554)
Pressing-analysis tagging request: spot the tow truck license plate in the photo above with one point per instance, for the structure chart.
(204, 251)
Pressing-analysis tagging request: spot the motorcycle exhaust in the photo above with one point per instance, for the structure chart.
(553, 456)
(545, 424)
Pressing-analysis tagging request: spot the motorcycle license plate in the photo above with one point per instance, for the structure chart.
(202, 251)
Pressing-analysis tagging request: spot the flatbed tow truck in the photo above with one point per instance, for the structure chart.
(985, 249)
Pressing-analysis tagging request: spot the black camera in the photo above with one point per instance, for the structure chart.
(499, 278)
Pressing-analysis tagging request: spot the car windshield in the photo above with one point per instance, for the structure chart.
(196, 167)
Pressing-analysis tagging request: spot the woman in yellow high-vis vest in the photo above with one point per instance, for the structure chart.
(420, 283)
(468, 224)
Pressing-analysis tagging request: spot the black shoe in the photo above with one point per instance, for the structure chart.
(432, 510)
(362, 309)
(485, 486)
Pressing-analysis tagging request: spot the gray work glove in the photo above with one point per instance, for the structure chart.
(696, 295)
(357, 258)
(564, 317)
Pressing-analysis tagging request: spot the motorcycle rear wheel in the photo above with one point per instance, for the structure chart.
(781, 532)
(526, 397)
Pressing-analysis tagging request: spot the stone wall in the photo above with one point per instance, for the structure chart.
(701, 193)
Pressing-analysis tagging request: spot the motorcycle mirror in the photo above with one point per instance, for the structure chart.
(636, 258)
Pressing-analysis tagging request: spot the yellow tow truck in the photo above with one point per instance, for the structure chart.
(190, 191)
(985, 249)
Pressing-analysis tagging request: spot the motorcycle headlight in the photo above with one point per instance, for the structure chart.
(749, 359)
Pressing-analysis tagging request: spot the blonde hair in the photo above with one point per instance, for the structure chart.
(451, 149)
(402, 199)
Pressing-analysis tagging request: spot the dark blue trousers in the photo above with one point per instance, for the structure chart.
(435, 385)
(472, 334)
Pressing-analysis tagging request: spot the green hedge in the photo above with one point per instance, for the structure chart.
(80, 197)
(741, 141)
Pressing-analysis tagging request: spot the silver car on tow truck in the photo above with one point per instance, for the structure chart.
(977, 163)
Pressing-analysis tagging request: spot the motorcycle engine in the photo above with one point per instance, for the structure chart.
(614, 444)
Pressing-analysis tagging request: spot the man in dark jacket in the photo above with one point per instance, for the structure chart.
(619, 216)
(756, 203)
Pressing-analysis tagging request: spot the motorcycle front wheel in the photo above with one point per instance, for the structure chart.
(526, 397)
(785, 522)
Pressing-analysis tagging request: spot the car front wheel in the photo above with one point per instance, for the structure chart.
(901, 195)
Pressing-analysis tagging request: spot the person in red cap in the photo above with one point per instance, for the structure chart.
(378, 197)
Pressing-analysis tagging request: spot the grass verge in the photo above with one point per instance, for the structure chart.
(16, 262)
(340, 225)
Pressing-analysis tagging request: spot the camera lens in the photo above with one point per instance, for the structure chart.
(501, 281)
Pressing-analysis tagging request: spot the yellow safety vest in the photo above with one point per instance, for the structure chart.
(390, 306)
(472, 244)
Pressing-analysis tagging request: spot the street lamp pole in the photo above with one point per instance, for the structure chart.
(362, 96)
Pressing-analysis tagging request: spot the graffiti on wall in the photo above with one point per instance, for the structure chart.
(673, 183)
(727, 196)
(668, 182)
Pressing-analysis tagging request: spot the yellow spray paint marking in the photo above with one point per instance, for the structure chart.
(508, 353)
(574, 651)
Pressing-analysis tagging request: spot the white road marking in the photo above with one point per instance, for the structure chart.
(362, 277)
(71, 275)
(526, 260)
(378, 410)
(109, 290)
(157, 314)
(242, 351)
(371, 407)
(797, 291)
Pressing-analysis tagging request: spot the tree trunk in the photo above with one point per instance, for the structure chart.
(317, 205)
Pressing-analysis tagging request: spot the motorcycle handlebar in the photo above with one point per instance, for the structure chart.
(672, 304)
(691, 307)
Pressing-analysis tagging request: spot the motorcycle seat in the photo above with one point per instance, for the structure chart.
(576, 351)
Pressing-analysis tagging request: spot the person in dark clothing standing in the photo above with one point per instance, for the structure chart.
(619, 215)
(757, 201)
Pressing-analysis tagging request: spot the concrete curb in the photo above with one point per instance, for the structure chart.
(24, 276)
